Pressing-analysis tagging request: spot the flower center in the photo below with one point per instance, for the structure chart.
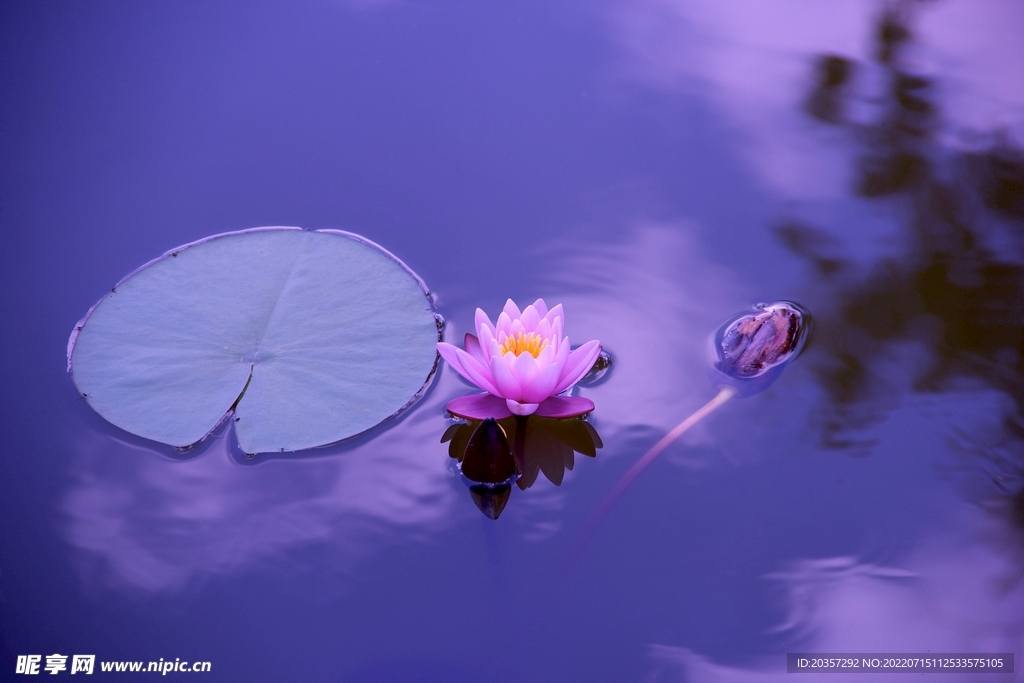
(531, 343)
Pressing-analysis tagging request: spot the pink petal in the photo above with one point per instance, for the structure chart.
(473, 348)
(467, 366)
(505, 382)
(504, 324)
(546, 356)
(564, 406)
(542, 385)
(524, 367)
(562, 354)
(554, 314)
(511, 310)
(556, 329)
(578, 364)
(530, 319)
(479, 407)
(478, 372)
(542, 308)
(518, 408)
(486, 336)
(493, 350)
(451, 354)
(483, 323)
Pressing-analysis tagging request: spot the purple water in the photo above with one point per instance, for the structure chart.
(657, 167)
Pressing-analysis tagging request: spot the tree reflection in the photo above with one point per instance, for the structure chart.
(494, 454)
(957, 288)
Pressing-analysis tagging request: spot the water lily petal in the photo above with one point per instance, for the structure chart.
(578, 364)
(467, 366)
(517, 328)
(564, 406)
(518, 408)
(504, 381)
(562, 352)
(524, 367)
(473, 348)
(483, 322)
(450, 353)
(504, 325)
(530, 318)
(556, 330)
(486, 335)
(542, 308)
(542, 385)
(555, 313)
(479, 407)
(511, 310)
(479, 374)
(546, 356)
(491, 350)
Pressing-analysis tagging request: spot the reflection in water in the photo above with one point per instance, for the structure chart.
(664, 296)
(750, 352)
(146, 525)
(947, 309)
(955, 291)
(493, 454)
(826, 100)
(952, 594)
(489, 467)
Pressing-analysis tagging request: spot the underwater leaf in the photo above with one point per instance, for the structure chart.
(316, 335)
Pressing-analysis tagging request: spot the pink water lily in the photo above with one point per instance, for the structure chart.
(523, 363)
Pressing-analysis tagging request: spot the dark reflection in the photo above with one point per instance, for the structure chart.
(494, 454)
(957, 288)
(489, 465)
(826, 100)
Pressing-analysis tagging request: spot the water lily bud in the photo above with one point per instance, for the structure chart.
(489, 468)
(488, 458)
(490, 498)
(752, 349)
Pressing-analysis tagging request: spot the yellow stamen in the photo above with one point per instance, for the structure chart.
(531, 343)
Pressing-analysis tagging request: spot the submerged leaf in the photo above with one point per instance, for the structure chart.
(309, 336)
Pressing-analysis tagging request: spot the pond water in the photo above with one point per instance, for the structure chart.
(658, 167)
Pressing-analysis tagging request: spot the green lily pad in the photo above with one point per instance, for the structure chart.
(307, 337)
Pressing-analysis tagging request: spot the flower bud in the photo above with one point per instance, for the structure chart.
(752, 349)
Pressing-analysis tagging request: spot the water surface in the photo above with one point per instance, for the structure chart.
(657, 167)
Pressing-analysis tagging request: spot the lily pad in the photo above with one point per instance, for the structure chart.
(307, 337)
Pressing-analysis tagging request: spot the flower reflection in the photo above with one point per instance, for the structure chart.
(494, 454)
(523, 363)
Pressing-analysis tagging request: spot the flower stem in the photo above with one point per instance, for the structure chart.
(642, 464)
